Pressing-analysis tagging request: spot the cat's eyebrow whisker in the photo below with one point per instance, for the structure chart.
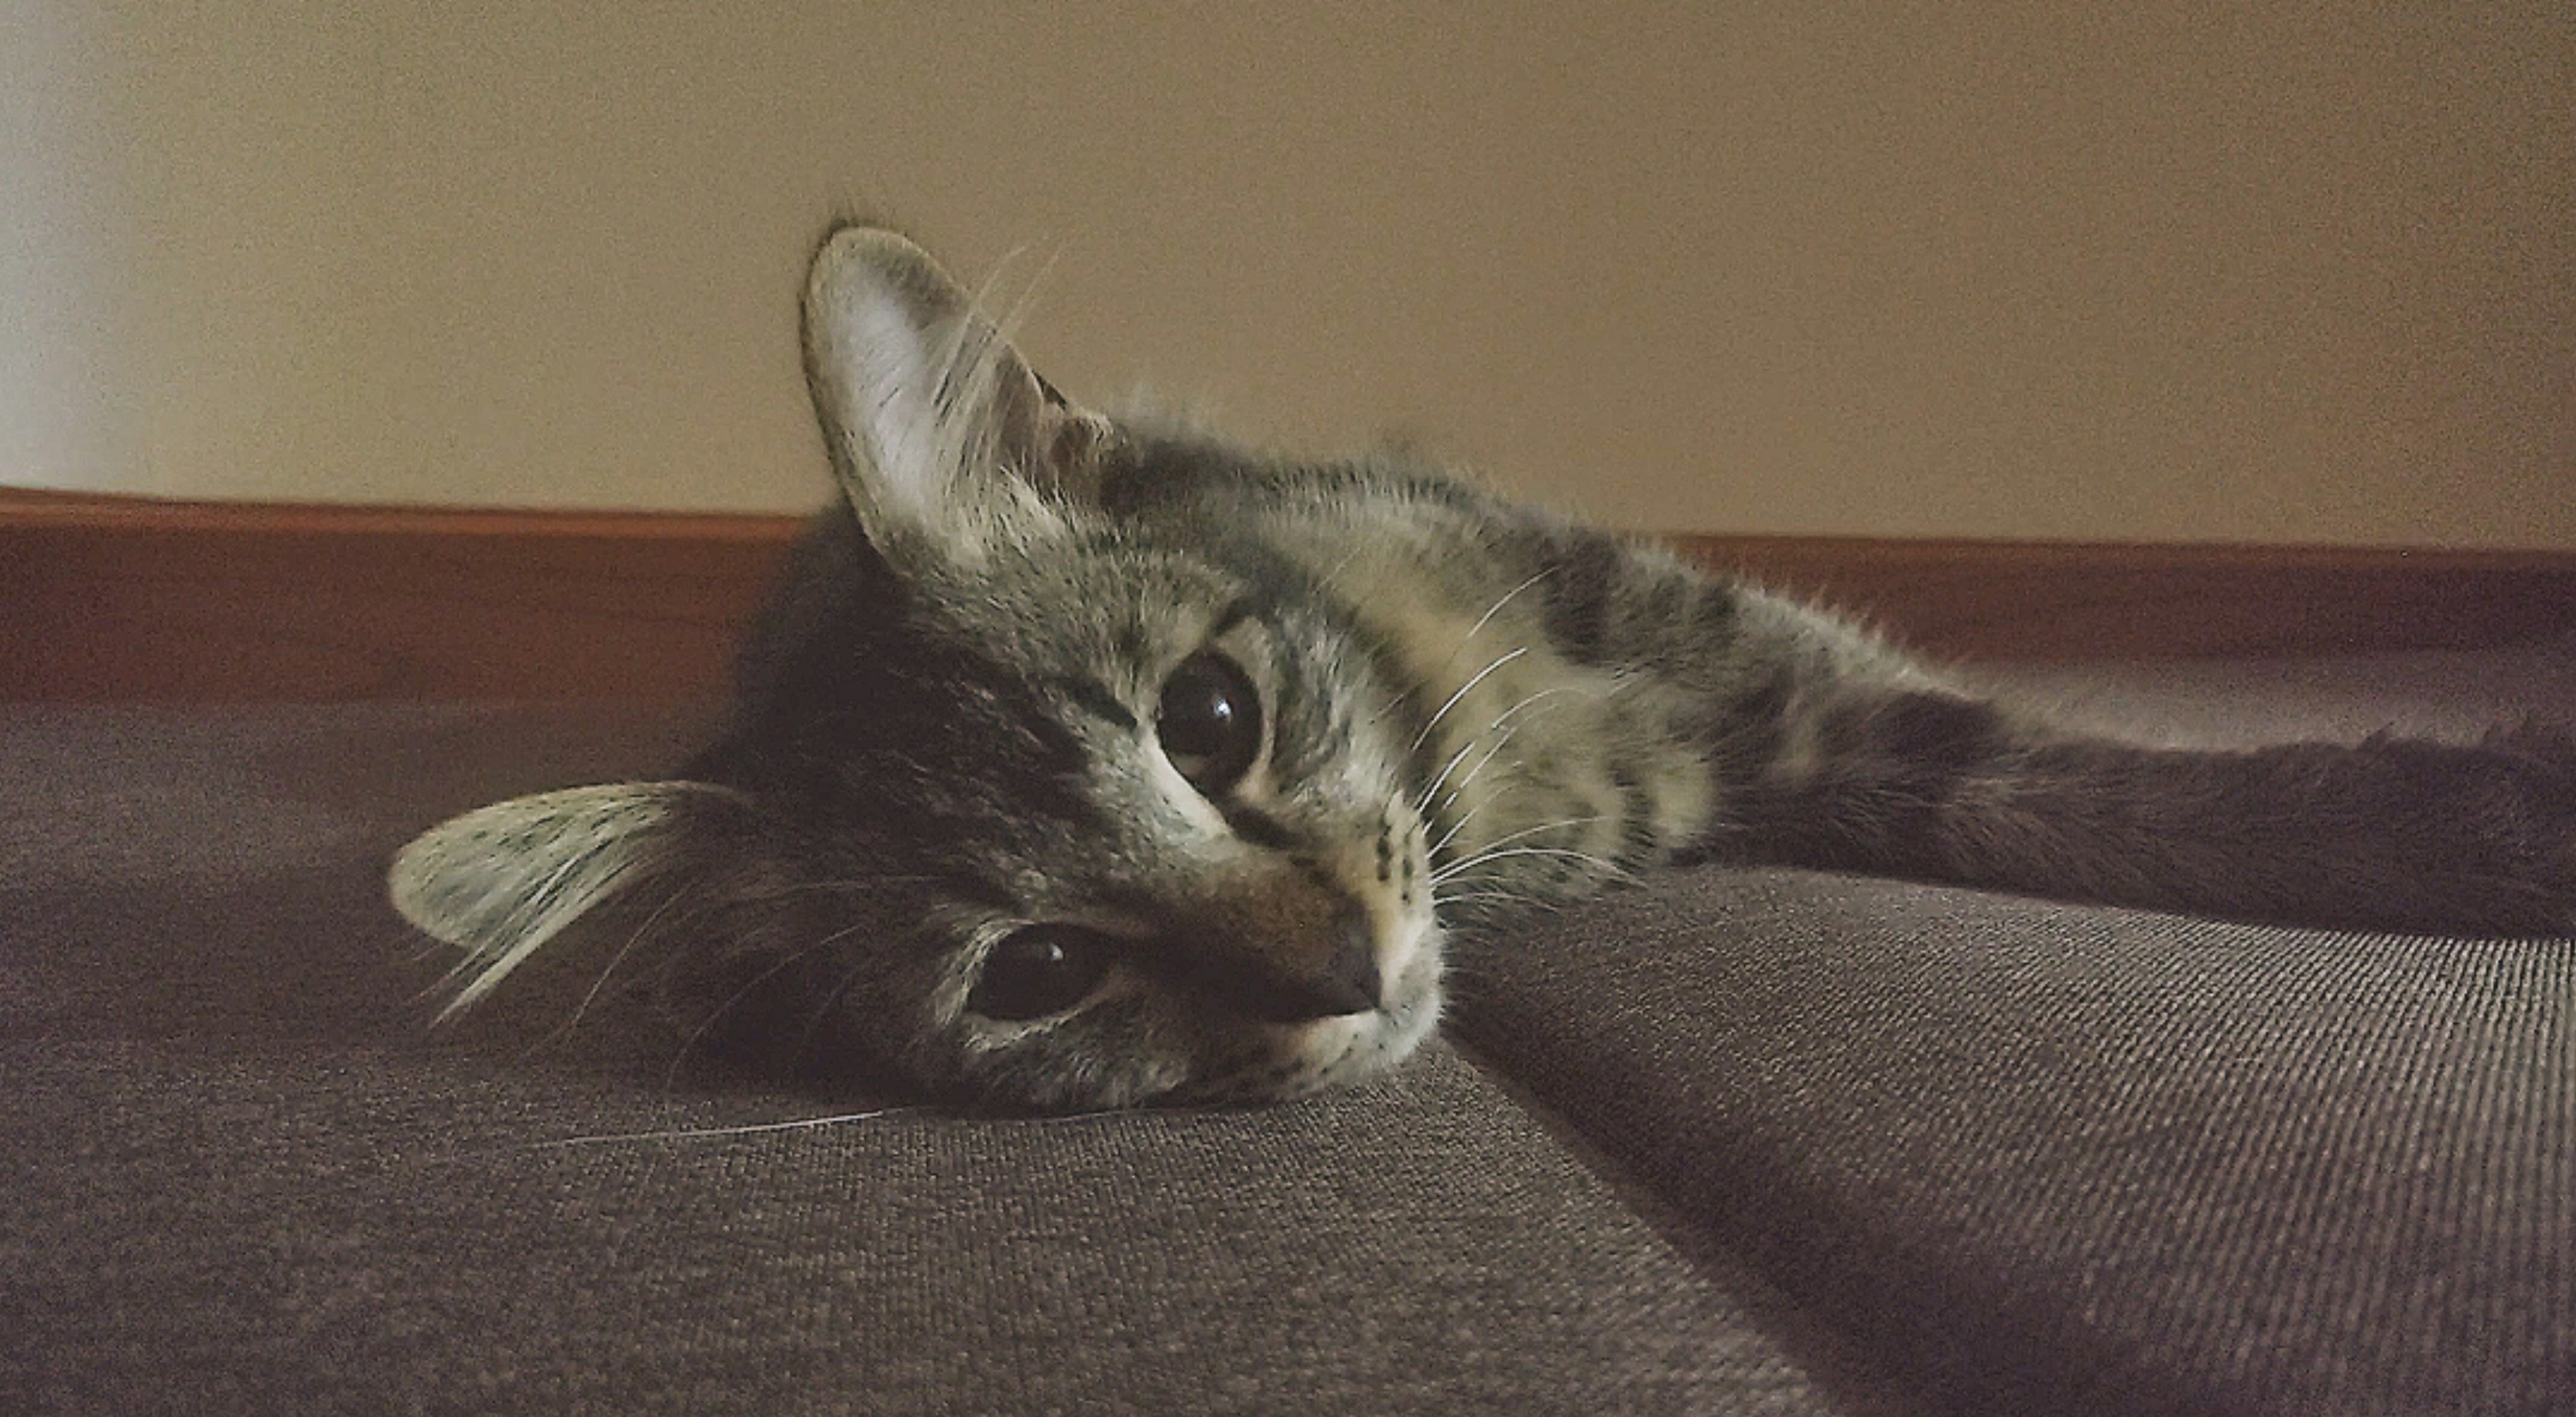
(964, 369)
(1344, 564)
(1007, 324)
(1460, 786)
(1455, 790)
(1479, 677)
(978, 310)
(1464, 641)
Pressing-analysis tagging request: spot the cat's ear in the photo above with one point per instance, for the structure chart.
(501, 881)
(944, 440)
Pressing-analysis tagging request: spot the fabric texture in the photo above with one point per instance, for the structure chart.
(1725, 1142)
(2055, 1160)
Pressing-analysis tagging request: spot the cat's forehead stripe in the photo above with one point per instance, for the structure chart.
(1232, 616)
(1096, 698)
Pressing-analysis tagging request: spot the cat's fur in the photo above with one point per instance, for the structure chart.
(983, 701)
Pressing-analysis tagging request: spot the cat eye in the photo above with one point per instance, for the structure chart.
(1039, 970)
(1209, 721)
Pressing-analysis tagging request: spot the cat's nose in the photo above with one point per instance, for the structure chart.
(1348, 983)
(1341, 980)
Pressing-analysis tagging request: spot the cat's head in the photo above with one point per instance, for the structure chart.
(1042, 791)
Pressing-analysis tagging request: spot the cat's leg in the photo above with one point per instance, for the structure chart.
(1834, 755)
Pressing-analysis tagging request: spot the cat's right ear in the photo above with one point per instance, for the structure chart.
(501, 881)
(943, 439)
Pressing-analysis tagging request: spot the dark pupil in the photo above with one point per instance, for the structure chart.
(1040, 970)
(1210, 721)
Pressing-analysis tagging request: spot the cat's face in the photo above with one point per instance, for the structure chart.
(1033, 803)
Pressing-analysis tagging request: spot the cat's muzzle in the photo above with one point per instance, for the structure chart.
(1317, 973)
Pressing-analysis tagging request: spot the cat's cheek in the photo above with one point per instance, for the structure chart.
(1412, 966)
(1414, 1000)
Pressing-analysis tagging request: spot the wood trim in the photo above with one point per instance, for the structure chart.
(105, 598)
(2075, 601)
(108, 599)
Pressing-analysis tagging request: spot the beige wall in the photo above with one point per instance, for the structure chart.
(2298, 271)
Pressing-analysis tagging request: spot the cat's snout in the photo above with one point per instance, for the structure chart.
(1349, 981)
(1350, 986)
(1298, 980)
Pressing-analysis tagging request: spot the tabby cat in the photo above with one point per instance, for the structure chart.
(1083, 762)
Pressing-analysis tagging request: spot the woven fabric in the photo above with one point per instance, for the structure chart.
(241, 1175)
(2045, 1159)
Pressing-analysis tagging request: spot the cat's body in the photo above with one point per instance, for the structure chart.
(1082, 763)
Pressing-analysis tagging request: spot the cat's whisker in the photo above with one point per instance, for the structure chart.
(634, 938)
(1469, 780)
(1422, 804)
(1495, 609)
(1507, 715)
(863, 886)
(1434, 849)
(787, 959)
(830, 1002)
(1559, 824)
(1502, 897)
(1478, 678)
(749, 1129)
(1482, 858)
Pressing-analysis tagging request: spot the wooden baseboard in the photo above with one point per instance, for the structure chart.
(127, 600)
(106, 599)
(2076, 601)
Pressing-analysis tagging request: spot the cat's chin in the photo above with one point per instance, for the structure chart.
(1380, 1040)
(1387, 1037)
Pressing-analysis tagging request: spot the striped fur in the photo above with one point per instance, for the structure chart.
(948, 733)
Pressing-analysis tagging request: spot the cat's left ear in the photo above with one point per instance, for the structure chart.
(944, 440)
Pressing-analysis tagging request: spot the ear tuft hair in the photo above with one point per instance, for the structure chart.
(501, 881)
